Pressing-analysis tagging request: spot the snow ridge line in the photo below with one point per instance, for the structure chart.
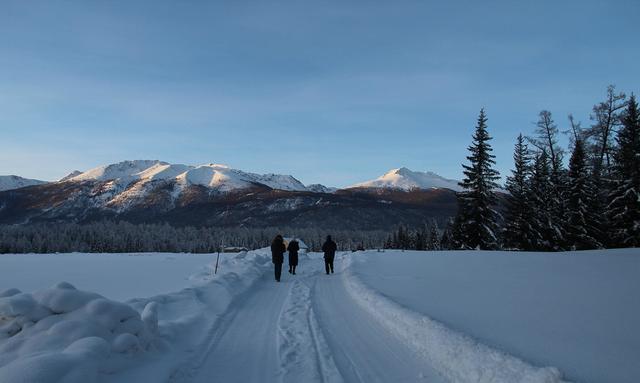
(298, 332)
(456, 356)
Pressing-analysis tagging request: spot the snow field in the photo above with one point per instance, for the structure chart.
(577, 311)
(454, 355)
(138, 274)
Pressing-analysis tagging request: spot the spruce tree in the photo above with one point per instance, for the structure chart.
(546, 139)
(434, 238)
(624, 200)
(446, 240)
(476, 216)
(518, 232)
(581, 224)
(545, 229)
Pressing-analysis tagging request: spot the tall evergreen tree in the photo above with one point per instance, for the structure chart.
(581, 223)
(546, 139)
(624, 206)
(518, 231)
(446, 240)
(434, 237)
(476, 215)
(545, 228)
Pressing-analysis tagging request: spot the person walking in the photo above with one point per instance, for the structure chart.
(329, 248)
(293, 249)
(277, 255)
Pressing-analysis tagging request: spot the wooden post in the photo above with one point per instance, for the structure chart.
(217, 259)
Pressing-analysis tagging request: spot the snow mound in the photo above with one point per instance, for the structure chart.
(62, 334)
(16, 182)
(455, 356)
(405, 179)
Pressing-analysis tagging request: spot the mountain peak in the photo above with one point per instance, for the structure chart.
(11, 182)
(215, 176)
(407, 179)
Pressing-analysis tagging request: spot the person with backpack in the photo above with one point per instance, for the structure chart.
(293, 249)
(277, 255)
(329, 248)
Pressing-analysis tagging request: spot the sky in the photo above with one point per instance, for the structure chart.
(332, 92)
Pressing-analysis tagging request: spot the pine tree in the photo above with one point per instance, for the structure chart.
(446, 240)
(476, 215)
(624, 206)
(546, 230)
(518, 231)
(434, 238)
(546, 139)
(581, 229)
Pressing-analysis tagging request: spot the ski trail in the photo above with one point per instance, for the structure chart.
(306, 328)
(242, 346)
(304, 354)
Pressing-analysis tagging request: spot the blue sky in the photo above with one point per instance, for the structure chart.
(333, 92)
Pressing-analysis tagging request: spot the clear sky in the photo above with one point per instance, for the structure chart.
(333, 92)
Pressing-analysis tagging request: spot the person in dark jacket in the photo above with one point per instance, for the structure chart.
(329, 248)
(293, 249)
(277, 255)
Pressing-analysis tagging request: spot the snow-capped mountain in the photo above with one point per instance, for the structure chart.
(405, 179)
(214, 176)
(16, 182)
(217, 195)
(132, 183)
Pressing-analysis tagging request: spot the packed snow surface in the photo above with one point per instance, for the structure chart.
(16, 182)
(382, 317)
(577, 311)
(406, 179)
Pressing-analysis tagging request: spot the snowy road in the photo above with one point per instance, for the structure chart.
(306, 328)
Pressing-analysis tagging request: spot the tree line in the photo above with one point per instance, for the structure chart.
(594, 202)
(125, 237)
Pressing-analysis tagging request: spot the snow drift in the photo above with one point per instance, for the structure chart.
(64, 334)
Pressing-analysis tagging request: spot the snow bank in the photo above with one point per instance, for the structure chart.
(187, 319)
(62, 334)
(457, 357)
